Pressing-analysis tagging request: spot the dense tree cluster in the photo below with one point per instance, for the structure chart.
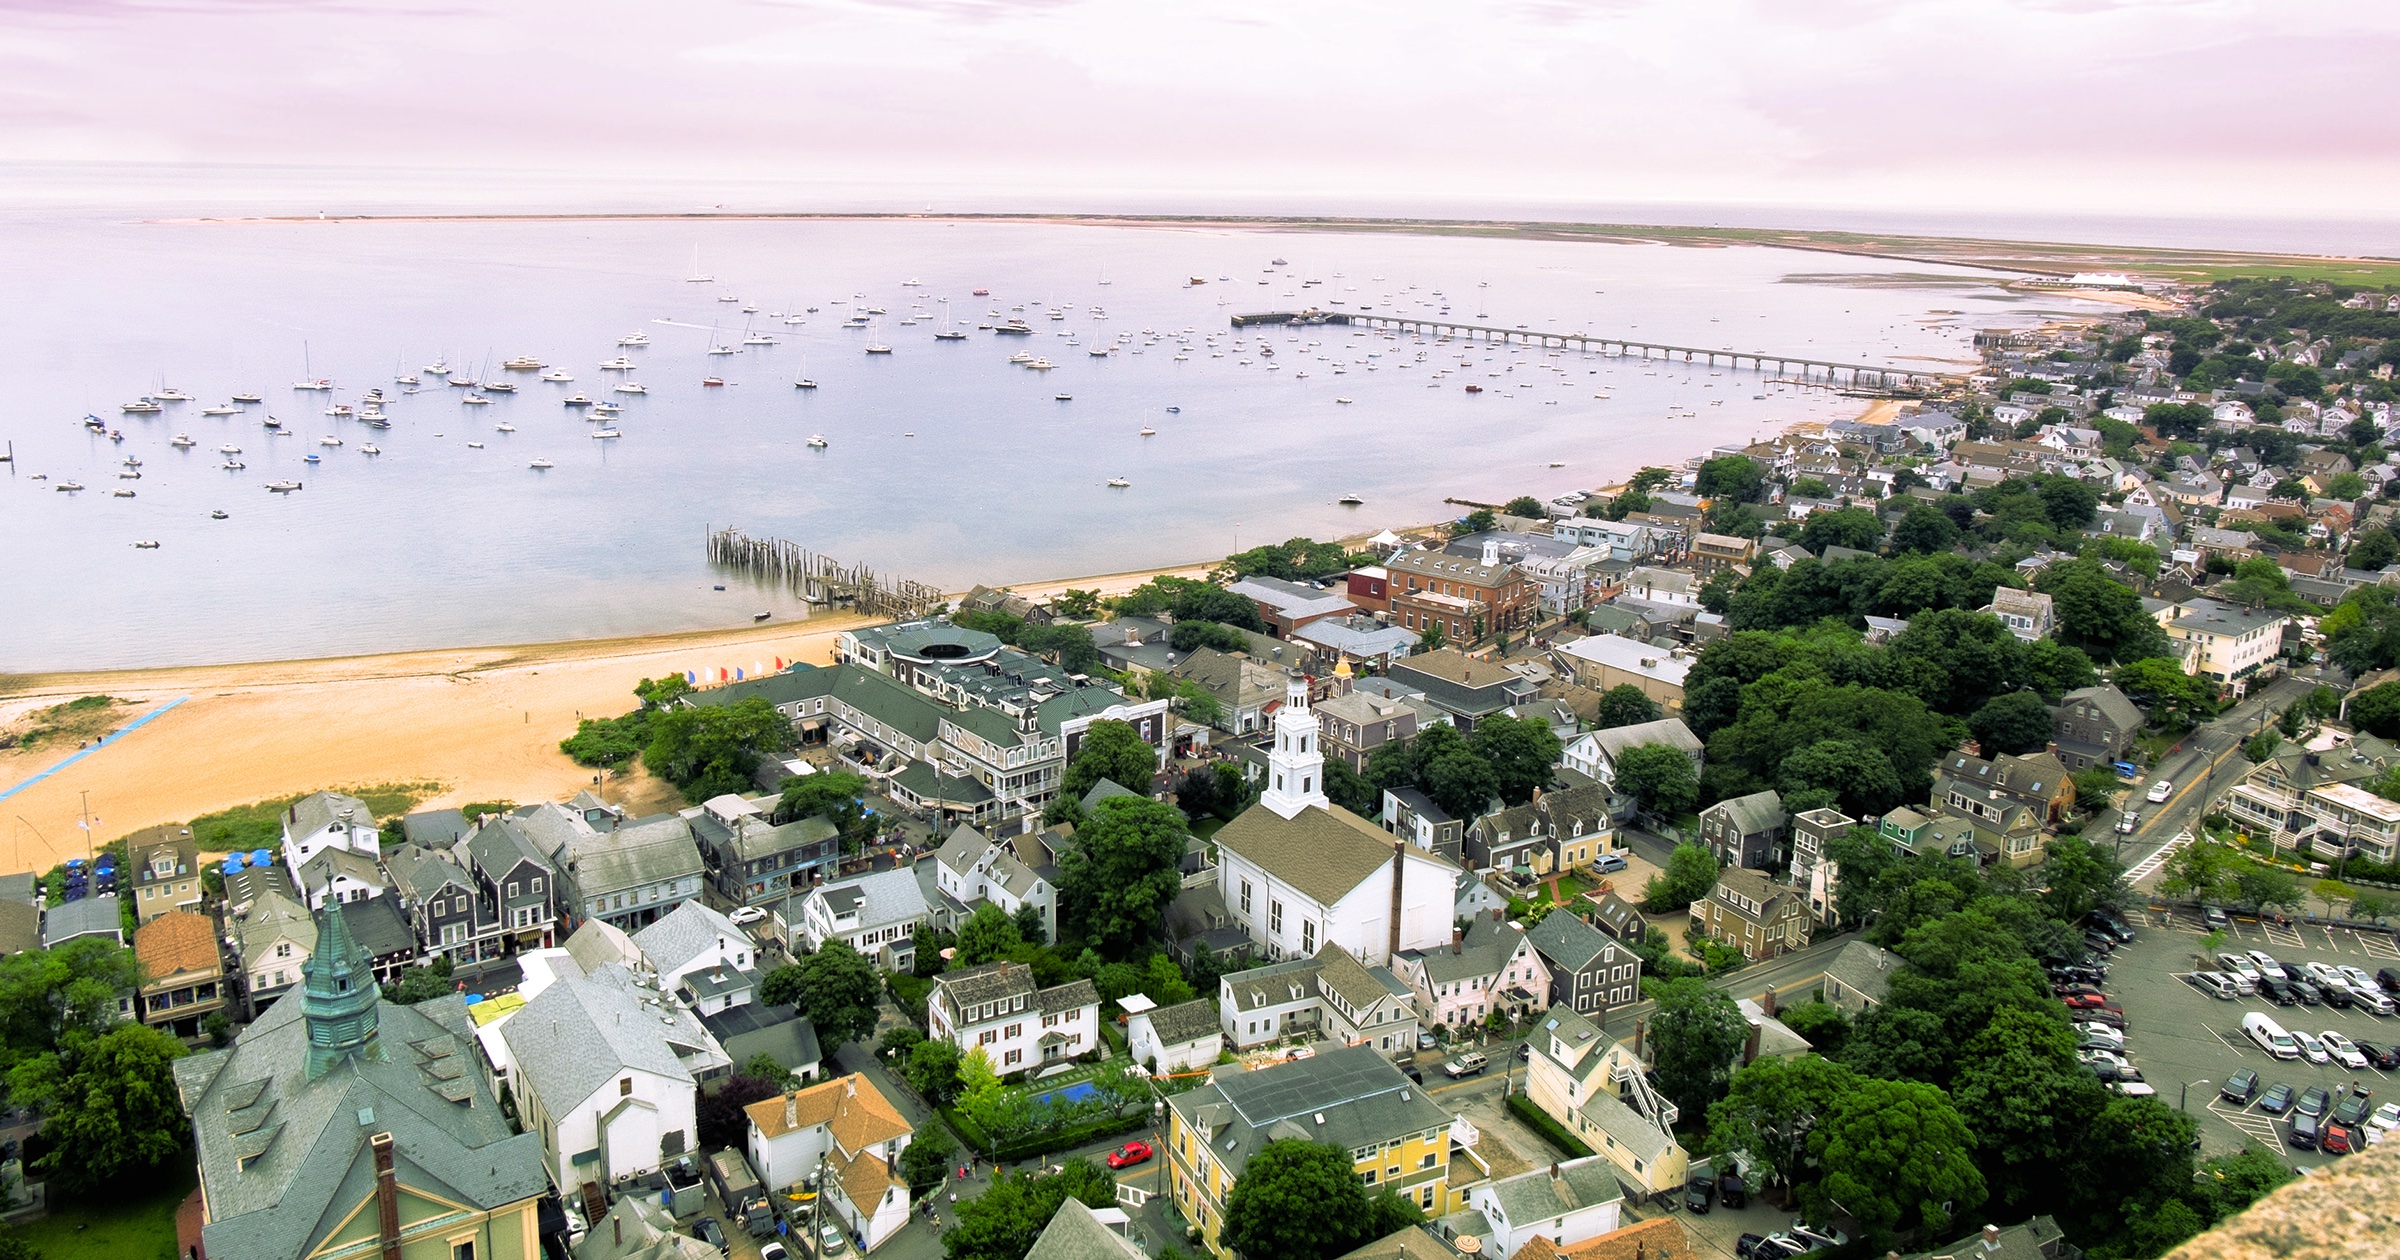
(1294, 560)
(1508, 758)
(1300, 1200)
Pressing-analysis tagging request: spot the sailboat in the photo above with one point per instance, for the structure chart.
(308, 375)
(696, 277)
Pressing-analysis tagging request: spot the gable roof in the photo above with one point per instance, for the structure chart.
(178, 940)
(1757, 812)
(1660, 1236)
(1075, 1233)
(1567, 942)
(580, 1032)
(2112, 703)
(857, 1113)
(685, 933)
(1561, 1188)
(1323, 851)
(319, 810)
(1185, 1021)
(1865, 968)
(879, 897)
(1672, 732)
(654, 850)
(1486, 949)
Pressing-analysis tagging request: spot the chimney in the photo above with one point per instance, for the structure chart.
(791, 1110)
(1641, 1028)
(617, 1227)
(1554, 1169)
(387, 1197)
(1499, 914)
(1750, 1047)
(1991, 1237)
(1766, 1002)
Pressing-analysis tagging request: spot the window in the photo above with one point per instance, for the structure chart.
(1426, 1160)
(1275, 918)
(1013, 1031)
(625, 1087)
(463, 1250)
(283, 949)
(1308, 937)
(1014, 1057)
(1245, 896)
(512, 889)
(1425, 1197)
(987, 1037)
(537, 883)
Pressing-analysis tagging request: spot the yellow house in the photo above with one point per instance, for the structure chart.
(342, 1128)
(1593, 1087)
(1398, 1139)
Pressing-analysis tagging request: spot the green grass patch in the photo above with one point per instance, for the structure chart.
(1551, 1130)
(126, 1223)
(259, 825)
(82, 719)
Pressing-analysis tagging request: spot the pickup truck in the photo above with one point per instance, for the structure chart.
(1465, 1065)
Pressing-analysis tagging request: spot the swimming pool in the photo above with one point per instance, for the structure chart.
(1080, 1091)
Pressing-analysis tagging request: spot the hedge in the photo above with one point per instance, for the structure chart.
(1042, 1143)
(1541, 1123)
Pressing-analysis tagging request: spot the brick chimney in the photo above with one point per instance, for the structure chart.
(387, 1197)
(1766, 1001)
(1750, 1046)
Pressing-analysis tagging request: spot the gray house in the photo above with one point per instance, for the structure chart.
(1745, 830)
(516, 882)
(2093, 726)
(443, 904)
(754, 862)
(1411, 815)
(1589, 973)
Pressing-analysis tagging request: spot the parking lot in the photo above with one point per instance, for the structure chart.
(2182, 1038)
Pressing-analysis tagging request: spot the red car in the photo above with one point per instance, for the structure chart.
(1128, 1155)
(2091, 1002)
(2338, 1139)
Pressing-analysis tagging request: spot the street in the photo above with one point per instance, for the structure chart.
(2208, 760)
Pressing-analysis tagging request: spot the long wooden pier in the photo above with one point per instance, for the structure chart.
(1784, 365)
(820, 579)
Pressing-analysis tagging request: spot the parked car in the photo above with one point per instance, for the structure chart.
(2129, 1082)
(2109, 1057)
(2307, 993)
(2313, 1101)
(747, 915)
(2277, 1099)
(2239, 966)
(2266, 964)
(773, 1251)
(2337, 994)
(2305, 1132)
(1826, 1237)
(2090, 1002)
(2078, 988)
(2357, 976)
(1769, 1247)
(1128, 1155)
(2353, 1108)
(708, 1231)
(2382, 1056)
(2311, 1048)
(1608, 862)
(1425, 1040)
(2214, 919)
(1465, 1065)
(2107, 1016)
(2277, 991)
(2112, 923)
(1732, 1191)
(2339, 1138)
(2342, 1051)
(2099, 1037)
(831, 1241)
(2388, 978)
(2239, 1087)
(1700, 1193)
(2386, 1117)
(1410, 1071)
(2127, 821)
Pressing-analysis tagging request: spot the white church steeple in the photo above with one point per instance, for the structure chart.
(1296, 765)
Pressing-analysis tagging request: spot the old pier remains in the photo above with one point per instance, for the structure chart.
(822, 580)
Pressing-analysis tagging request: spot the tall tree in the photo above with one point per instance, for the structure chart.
(1625, 705)
(109, 1104)
(1660, 777)
(1520, 751)
(989, 933)
(1895, 1157)
(1691, 872)
(833, 795)
(1118, 876)
(1300, 1200)
(1733, 478)
(1005, 1220)
(47, 994)
(1771, 1106)
(712, 750)
(1114, 751)
(2014, 723)
(838, 993)
(2028, 1103)
(1699, 1033)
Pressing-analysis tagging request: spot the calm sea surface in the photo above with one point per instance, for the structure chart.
(945, 462)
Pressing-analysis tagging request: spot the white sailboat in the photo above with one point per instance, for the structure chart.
(697, 276)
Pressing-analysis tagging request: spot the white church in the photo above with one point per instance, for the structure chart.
(1299, 872)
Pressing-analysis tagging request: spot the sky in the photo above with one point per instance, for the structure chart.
(2274, 108)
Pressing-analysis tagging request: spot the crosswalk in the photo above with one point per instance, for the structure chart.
(2148, 866)
(2285, 935)
(2258, 1128)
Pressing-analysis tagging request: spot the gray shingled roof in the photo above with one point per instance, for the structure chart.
(685, 933)
(1645, 1140)
(1277, 985)
(1537, 1195)
(309, 1138)
(1865, 968)
(1669, 731)
(92, 916)
(1074, 1233)
(1185, 1021)
(655, 850)
(420, 873)
(880, 897)
(1362, 1099)
(1484, 952)
(1757, 812)
(319, 810)
(1568, 943)
(1323, 852)
(582, 1031)
(2111, 703)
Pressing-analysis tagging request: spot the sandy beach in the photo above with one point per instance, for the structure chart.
(483, 722)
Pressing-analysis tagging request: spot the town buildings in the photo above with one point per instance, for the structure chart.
(845, 1137)
(1745, 830)
(1751, 913)
(183, 974)
(996, 1008)
(1491, 969)
(1589, 971)
(876, 914)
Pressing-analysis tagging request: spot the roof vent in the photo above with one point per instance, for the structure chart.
(1320, 1117)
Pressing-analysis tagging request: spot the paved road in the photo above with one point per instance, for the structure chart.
(2207, 761)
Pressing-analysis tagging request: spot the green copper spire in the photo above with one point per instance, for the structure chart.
(338, 997)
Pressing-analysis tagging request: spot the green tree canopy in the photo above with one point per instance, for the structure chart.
(711, 750)
(2377, 710)
(830, 794)
(48, 994)
(1299, 1200)
(1005, 1220)
(109, 1103)
(1111, 750)
(1854, 527)
(1895, 1156)
(1770, 1107)
(1691, 872)
(1526, 506)
(1520, 752)
(1732, 478)
(1698, 1033)
(1924, 529)
(2017, 722)
(2175, 701)
(2099, 614)
(989, 933)
(1625, 705)
(1122, 870)
(1660, 776)
(838, 993)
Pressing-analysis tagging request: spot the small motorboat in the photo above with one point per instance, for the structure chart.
(120, 494)
(816, 441)
(321, 385)
(606, 433)
(370, 449)
(505, 427)
(983, 292)
(68, 487)
(618, 364)
(329, 441)
(474, 446)
(182, 441)
(249, 398)
(541, 463)
(141, 407)
(1474, 389)
(804, 383)
(576, 400)
(634, 339)
(1174, 411)
(711, 382)
(436, 368)
(218, 515)
(283, 487)
(229, 449)
(227, 410)
(555, 375)
(1147, 431)
(1343, 401)
(951, 335)
(499, 387)
(720, 350)
(1118, 483)
(1558, 463)
(758, 339)
(312, 458)
(127, 474)
(1064, 397)
(632, 387)
(879, 349)
(233, 465)
(1350, 500)
(476, 400)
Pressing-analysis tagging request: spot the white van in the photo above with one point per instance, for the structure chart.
(2270, 1036)
(2216, 984)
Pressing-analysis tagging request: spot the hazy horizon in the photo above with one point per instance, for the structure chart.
(2068, 110)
